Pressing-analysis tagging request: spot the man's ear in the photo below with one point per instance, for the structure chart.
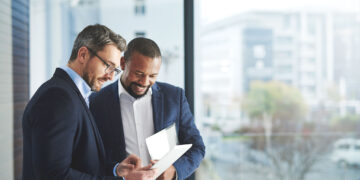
(83, 55)
(122, 63)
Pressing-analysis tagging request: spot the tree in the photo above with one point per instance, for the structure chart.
(291, 153)
(274, 103)
(346, 124)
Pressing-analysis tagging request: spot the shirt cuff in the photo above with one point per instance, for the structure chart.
(114, 170)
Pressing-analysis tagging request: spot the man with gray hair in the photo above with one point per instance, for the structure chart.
(61, 138)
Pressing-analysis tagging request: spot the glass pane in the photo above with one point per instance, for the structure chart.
(56, 23)
(277, 89)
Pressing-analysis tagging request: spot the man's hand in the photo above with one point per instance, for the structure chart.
(169, 174)
(129, 164)
(144, 173)
(130, 169)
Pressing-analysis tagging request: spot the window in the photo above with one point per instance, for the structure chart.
(283, 102)
(55, 28)
(140, 34)
(140, 8)
(344, 146)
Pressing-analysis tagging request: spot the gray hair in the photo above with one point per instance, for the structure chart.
(96, 37)
(144, 46)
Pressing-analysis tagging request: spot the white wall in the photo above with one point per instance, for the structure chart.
(6, 92)
(52, 21)
(163, 22)
(38, 69)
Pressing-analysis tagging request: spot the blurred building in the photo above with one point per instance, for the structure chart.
(312, 51)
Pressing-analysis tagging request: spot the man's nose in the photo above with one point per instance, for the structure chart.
(144, 81)
(110, 76)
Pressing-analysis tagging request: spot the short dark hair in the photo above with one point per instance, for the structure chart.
(96, 37)
(144, 46)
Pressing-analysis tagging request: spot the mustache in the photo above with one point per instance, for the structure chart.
(136, 84)
(103, 79)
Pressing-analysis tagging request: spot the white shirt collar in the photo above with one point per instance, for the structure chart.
(83, 87)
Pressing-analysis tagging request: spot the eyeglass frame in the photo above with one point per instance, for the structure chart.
(116, 70)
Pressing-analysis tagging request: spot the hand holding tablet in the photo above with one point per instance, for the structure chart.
(162, 147)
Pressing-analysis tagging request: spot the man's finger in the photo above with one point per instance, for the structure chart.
(133, 159)
(145, 168)
(160, 177)
(127, 166)
(153, 161)
(150, 173)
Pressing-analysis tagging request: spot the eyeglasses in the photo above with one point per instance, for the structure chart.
(109, 68)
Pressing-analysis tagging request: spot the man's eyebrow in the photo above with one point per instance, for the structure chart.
(111, 63)
(139, 71)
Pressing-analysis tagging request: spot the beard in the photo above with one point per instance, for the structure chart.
(132, 93)
(91, 82)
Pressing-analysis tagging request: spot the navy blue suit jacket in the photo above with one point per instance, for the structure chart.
(169, 106)
(61, 140)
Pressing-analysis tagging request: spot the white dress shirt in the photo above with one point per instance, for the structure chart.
(137, 119)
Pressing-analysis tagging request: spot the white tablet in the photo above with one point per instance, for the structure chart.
(174, 154)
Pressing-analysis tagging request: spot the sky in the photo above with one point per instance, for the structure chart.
(213, 10)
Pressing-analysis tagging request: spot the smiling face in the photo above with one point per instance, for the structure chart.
(94, 71)
(140, 73)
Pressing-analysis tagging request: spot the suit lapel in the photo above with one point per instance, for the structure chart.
(114, 102)
(158, 108)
